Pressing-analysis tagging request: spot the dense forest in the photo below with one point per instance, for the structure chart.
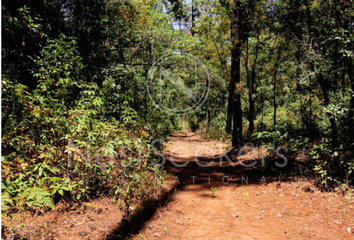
(78, 89)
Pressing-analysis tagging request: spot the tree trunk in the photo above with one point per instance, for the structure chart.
(351, 110)
(193, 18)
(274, 93)
(229, 107)
(275, 89)
(274, 99)
(236, 35)
(250, 99)
(251, 86)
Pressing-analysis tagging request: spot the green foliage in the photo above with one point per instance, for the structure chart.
(213, 191)
(274, 138)
(77, 119)
(215, 129)
(59, 142)
(321, 153)
(332, 167)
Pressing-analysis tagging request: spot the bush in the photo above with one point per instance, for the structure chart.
(332, 166)
(60, 142)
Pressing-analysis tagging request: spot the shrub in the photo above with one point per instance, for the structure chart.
(60, 142)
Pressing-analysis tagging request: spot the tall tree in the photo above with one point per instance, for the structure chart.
(235, 81)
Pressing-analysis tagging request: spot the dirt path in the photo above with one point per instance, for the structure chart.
(262, 209)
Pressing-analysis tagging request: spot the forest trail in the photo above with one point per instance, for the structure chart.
(262, 209)
(257, 210)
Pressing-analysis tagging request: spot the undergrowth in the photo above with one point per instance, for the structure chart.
(61, 142)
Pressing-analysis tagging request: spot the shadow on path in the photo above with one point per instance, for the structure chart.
(220, 171)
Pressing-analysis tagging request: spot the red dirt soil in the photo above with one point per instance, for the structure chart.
(265, 208)
(272, 210)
